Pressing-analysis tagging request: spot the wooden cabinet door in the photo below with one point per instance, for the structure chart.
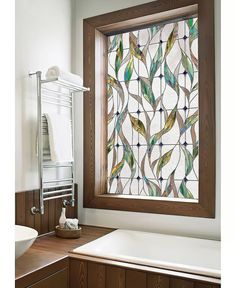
(56, 280)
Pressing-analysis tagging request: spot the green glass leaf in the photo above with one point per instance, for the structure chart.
(146, 90)
(167, 127)
(195, 87)
(156, 62)
(119, 57)
(170, 78)
(190, 22)
(153, 139)
(163, 160)
(171, 39)
(184, 191)
(129, 156)
(117, 86)
(188, 66)
(114, 43)
(138, 125)
(110, 143)
(154, 29)
(121, 119)
(188, 161)
(134, 49)
(170, 120)
(193, 32)
(116, 170)
(195, 150)
(129, 70)
(189, 122)
(153, 188)
(170, 186)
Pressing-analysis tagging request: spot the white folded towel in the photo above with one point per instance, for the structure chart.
(60, 137)
(56, 72)
(71, 223)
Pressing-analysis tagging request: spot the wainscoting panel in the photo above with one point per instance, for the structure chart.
(42, 223)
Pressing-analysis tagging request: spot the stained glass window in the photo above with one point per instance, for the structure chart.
(152, 100)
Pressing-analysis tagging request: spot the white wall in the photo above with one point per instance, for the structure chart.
(198, 227)
(43, 39)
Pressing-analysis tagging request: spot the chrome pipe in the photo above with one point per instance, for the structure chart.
(57, 166)
(58, 180)
(59, 104)
(56, 197)
(56, 191)
(73, 149)
(62, 94)
(56, 98)
(57, 186)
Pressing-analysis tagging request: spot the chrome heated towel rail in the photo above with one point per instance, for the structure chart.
(62, 95)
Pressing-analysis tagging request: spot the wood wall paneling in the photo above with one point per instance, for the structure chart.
(135, 279)
(157, 281)
(96, 275)
(89, 274)
(78, 274)
(115, 277)
(45, 223)
(181, 283)
(20, 208)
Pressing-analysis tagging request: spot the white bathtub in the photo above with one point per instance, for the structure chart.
(191, 255)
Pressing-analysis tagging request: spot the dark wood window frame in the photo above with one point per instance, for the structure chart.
(96, 30)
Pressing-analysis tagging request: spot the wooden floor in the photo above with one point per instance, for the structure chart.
(49, 249)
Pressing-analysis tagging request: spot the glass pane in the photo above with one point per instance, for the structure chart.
(152, 106)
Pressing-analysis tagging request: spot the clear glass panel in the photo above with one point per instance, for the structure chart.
(153, 130)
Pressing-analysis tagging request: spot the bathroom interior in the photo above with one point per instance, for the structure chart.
(117, 154)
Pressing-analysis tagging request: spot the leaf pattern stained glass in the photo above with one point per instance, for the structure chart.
(152, 117)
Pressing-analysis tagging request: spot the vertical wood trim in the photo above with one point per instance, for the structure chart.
(181, 283)
(135, 279)
(20, 208)
(96, 275)
(115, 277)
(89, 108)
(51, 215)
(100, 112)
(207, 106)
(29, 203)
(156, 281)
(45, 219)
(78, 274)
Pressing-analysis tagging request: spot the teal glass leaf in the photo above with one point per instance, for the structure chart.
(188, 161)
(129, 70)
(189, 122)
(153, 188)
(156, 62)
(170, 78)
(146, 90)
(114, 43)
(119, 57)
(193, 32)
(187, 64)
(171, 40)
(185, 191)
